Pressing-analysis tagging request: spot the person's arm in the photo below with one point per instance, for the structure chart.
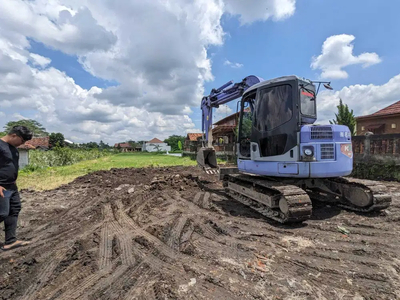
(1, 191)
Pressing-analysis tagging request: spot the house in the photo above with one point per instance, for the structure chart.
(223, 133)
(384, 121)
(125, 147)
(38, 143)
(191, 142)
(155, 145)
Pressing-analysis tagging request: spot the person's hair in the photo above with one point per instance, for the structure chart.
(22, 132)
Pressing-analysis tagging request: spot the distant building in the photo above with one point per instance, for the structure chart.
(39, 143)
(384, 121)
(127, 147)
(155, 145)
(223, 132)
(191, 142)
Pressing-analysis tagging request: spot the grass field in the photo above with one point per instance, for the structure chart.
(51, 178)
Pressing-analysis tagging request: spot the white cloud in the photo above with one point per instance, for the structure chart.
(233, 65)
(18, 117)
(337, 53)
(55, 26)
(160, 66)
(38, 60)
(2, 114)
(260, 9)
(222, 112)
(362, 99)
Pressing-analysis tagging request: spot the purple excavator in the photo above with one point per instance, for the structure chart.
(283, 160)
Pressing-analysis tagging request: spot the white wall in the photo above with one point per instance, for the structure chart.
(153, 147)
(23, 158)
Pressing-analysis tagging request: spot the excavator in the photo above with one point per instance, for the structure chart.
(284, 160)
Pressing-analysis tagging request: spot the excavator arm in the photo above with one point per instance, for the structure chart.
(226, 93)
(206, 157)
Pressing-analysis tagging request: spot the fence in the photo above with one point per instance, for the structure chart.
(377, 157)
(225, 148)
(382, 145)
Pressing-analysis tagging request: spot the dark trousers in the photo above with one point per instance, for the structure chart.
(10, 206)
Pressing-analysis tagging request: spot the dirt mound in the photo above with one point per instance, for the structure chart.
(170, 233)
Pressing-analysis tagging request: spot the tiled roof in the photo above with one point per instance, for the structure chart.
(223, 129)
(123, 145)
(194, 136)
(389, 110)
(155, 141)
(235, 115)
(26, 147)
(226, 119)
(36, 142)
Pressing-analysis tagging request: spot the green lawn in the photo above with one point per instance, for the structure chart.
(53, 177)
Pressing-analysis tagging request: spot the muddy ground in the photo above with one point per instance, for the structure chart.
(170, 233)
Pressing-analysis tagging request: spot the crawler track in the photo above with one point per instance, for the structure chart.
(299, 206)
(381, 198)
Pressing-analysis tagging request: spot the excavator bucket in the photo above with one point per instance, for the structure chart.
(207, 159)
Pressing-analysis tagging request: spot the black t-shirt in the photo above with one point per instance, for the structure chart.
(9, 159)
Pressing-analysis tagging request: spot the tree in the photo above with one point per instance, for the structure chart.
(56, 139)
(173, 141)
(2, 133)
(90, 145)
(103, 145)
(37, 128)
(345, 117)
(180, 145)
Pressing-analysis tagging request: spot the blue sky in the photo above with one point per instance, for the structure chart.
(272, 49)
(121, 75)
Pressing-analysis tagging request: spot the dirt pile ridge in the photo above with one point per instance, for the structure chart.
(171, 233)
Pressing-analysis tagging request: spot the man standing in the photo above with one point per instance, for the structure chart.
(10, 203)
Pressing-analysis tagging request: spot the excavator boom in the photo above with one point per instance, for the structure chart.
(206, 156)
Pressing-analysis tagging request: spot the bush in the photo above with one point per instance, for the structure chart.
(61, 157)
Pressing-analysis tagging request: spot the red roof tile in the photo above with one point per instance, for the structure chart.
(235, 115)
(123, 145)
(223, 129)
(389, 110)
(26, 147)
(155, 141)
(194, 136)
(36, 142)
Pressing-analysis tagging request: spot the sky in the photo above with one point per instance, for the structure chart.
(134, 70)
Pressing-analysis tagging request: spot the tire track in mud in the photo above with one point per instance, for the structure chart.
(175, 233)
(85, 285)
(104, 282)
(129, 279)
(105, 275)
(43, 276)
(172, 268)
(210, 229)
(125, 220)
(105, 249)
(161, 243)
(125, 242)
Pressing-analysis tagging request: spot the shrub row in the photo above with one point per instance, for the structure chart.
(61, 157)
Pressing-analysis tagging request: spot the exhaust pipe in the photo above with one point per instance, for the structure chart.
(207, 160)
